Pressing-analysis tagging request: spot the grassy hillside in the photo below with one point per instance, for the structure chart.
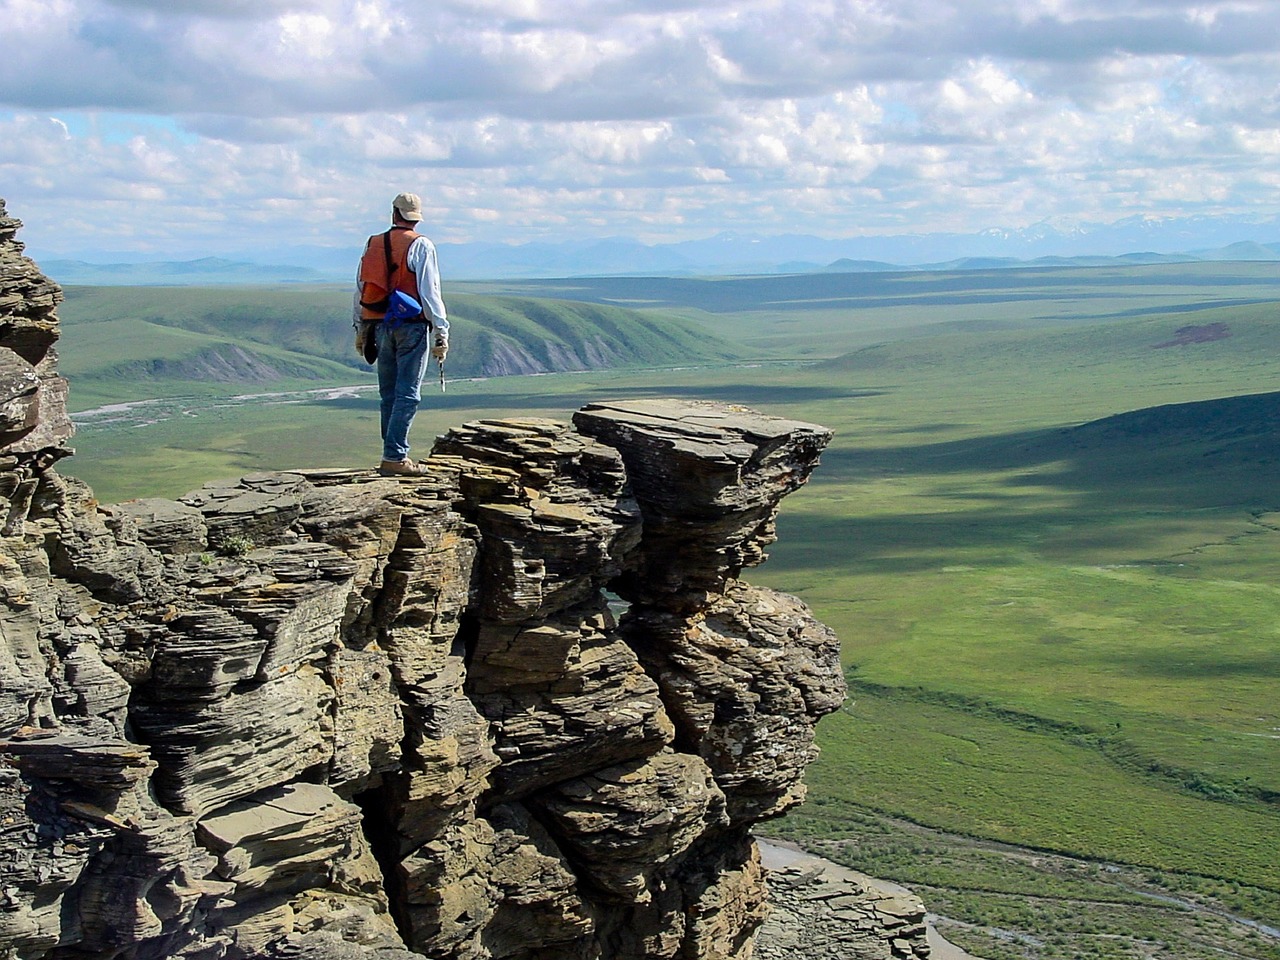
(125, 343)
(825, 315)
(1059, 615)
(986, 543)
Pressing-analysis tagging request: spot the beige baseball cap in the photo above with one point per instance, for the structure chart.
(408, 205)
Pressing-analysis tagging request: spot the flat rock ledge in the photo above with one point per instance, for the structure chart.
(520, 707)
(820, 910)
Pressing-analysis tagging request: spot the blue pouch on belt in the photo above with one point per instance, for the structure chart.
(401, 308)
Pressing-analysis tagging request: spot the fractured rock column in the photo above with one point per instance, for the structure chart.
(745, 672)
(34, 428)
(563, 694)
(34, 425)
(708, 478)
(435, 847)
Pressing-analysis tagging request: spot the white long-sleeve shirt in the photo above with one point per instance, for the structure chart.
(421, 259)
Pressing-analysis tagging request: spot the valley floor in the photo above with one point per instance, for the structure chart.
(1021, 904)
(781, 853)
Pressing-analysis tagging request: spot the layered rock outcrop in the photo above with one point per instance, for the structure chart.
(521, 707)
(823, 910)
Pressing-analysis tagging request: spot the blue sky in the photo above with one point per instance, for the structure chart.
(180, 128)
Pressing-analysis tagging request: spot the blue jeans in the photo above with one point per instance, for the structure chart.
(403, 350)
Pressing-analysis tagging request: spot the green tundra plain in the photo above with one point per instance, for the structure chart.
(1047, 532)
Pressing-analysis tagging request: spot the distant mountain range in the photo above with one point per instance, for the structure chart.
(177, 272)
(1135, 240)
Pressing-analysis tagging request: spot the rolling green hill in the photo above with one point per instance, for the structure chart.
(1006, 520)
(125, 343)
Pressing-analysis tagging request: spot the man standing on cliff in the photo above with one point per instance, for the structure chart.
(400, 261)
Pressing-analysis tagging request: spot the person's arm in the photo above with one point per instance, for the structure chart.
(355, 300)
(356, 313)
(422, 260)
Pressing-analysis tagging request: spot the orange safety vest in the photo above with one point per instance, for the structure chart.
(383, 268)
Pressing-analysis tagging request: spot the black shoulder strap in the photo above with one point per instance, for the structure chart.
(386, 247)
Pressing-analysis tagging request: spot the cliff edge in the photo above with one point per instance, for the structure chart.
(522, 707)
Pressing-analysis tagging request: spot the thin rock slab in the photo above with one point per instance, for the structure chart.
(255, 510)
(167, 526)
(283, 839)
(621, 824)
(746, 682)
(294, 853)
(708, 478)
(601, 708)
(551, 506)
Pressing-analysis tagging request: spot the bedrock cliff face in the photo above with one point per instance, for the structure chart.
(521, 707)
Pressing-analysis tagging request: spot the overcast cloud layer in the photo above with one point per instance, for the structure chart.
(192, 127)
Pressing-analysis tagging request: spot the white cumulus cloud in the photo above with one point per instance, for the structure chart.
(220, 125)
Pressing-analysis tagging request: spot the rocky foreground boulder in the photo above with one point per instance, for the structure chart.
(522, 707)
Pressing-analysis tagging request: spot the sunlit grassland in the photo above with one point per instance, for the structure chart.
(1061, 637)
(981, 776)
(1092, 582)
(1068, 639)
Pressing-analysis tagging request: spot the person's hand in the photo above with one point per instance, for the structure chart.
(439, 349)
(366, 342)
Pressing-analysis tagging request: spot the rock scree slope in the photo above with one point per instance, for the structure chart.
(522, 707)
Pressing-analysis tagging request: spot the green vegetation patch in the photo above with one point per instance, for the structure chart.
(962, 772)
(125, 343)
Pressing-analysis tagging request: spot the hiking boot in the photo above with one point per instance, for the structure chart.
(401, 468)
